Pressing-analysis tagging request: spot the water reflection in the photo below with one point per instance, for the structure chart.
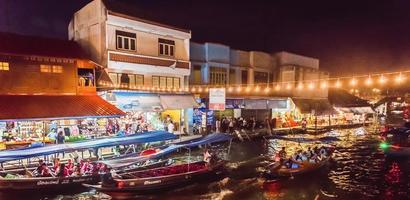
(359, 171)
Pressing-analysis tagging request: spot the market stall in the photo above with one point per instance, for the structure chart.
(45, 116)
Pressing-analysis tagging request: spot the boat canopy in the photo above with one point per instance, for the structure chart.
(212, 138)
(153, 136)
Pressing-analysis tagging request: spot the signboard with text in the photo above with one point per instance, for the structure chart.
(216, 98)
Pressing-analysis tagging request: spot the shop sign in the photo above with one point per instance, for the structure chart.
(217, 98)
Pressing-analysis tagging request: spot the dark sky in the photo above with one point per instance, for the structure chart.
(349, 37)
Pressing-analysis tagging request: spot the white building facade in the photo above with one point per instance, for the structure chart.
(134, 52)
(146, 64)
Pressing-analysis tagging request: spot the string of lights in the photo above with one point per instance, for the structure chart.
(346, 82)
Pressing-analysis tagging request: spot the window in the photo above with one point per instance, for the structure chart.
(244, 77)
(166, 47)
(85, 77)
(126, 40)
(165, 82)
(4, 66)
(232, 76)
(45, 68)
(196, 75)
(58, 69)
(218, 76)
(261, 77)
(127, 80)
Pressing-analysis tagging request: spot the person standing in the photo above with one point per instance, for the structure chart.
(231, 125)
(218, 126)
(171, 127)
(268, 126)
(60, 138)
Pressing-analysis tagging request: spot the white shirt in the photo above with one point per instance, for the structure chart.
(171, 127)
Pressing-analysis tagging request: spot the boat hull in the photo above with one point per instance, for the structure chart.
(400, 152)
(152, 184)
(46, 182)
(278, 171)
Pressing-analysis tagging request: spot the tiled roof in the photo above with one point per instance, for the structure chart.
(16, 44)
(24, 107)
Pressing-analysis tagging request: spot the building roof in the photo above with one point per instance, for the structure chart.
(122, 9)
(319, 106)
(342, 98)
(36, 107)
(15, 44)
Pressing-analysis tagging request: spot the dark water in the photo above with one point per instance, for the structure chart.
(359, 171)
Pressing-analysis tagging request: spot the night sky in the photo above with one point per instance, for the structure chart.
(349, 37)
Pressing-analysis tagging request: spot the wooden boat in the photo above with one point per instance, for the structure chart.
(161, 178)
(305, 167)
(35, 183)
(397, 151)
(17, 180)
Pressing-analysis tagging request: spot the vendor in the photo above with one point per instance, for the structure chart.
(53, 134)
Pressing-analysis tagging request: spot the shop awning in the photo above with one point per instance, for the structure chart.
(314, 106)
(36, 107)
(135, 101)
(234, 103)
(256, 104)
(356, 110)
(277, 103)
(178, 101)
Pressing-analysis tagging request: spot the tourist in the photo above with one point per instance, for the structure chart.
(218, 126)
(207, 156)
(62, 171)
(253, 124)
(38, 170)
(323, 152)
(304, 124)
(309, 153)
(76, 170)
(56, 164)
(231, 125)
(45, 171)
(282, 154)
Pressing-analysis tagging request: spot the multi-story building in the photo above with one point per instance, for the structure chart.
(260, 84)
(302, 74)
(46, 83)
(134, 52)
(139, 55)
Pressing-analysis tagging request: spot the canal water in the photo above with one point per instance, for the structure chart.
(358, 171)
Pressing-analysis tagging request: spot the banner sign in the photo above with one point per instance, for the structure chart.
(216, 98)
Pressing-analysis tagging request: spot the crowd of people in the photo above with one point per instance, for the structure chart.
(230, 124)
(311, 155)
(69, 169)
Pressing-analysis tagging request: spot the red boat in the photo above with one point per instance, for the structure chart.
(161, 178)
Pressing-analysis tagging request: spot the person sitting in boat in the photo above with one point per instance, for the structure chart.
(314, 158)
(282, 154)
(76, 171)
(303, 156)
(45, 171)
(69, 166)
(323, 152)
(288, 163)
(38, 170)
(107, 178)
(309, 152)
(207, 156)
(62, 171)
(296, 157)
(56, 164)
